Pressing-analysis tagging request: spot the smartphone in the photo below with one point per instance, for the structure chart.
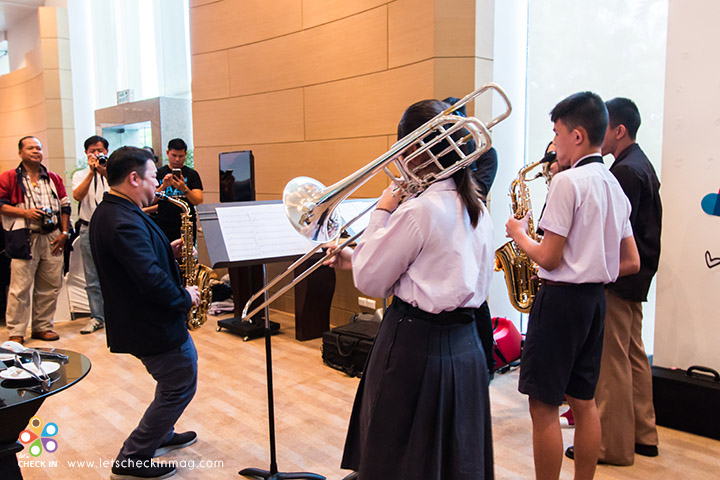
(177, 173)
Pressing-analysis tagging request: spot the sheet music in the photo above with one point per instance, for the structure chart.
(259, 231)
(349, 209)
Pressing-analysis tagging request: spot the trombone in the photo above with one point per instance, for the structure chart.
(311, 207)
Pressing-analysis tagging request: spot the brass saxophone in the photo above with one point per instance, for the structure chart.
(521, 272)
(193, 272)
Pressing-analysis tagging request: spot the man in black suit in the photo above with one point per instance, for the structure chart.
(146, 307)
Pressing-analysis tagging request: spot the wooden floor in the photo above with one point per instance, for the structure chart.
(312, 407)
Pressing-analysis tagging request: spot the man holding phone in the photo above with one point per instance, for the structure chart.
(180, 181)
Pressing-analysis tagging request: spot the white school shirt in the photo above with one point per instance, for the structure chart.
(427, 252)
(586, 205)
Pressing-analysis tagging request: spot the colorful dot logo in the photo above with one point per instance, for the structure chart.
(39, 438)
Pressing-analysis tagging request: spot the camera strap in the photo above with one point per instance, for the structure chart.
(34, 196)
(95, 188)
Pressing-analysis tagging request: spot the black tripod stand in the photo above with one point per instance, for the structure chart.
(272, 473)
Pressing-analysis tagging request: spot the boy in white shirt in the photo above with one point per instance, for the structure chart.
(588, 243)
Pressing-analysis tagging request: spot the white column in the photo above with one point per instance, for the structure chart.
(509, 137)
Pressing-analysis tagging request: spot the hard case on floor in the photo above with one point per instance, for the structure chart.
(507, 342)
(688, 400)
(346, 348)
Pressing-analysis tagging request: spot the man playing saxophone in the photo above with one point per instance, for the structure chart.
(146, 307)
(588, 242)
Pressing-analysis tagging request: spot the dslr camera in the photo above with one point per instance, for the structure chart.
(101, 159)
(47, 223)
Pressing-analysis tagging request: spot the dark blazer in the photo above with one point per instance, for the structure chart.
(146, 304)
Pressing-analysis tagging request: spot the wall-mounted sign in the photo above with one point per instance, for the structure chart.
(125, 96)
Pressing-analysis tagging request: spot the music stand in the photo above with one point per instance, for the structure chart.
(249, 228)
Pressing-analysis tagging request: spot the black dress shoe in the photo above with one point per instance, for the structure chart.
(570, 453)
(141, 469)
(646, 450)
(179, 440)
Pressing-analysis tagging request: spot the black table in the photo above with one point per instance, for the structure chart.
(17, 407)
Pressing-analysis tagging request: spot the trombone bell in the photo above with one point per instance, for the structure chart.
(309, 211)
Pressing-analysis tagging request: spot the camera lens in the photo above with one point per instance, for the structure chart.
(47, 221)
(102, 159)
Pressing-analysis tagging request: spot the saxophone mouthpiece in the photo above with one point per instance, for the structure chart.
(160, 195)
(549, 157)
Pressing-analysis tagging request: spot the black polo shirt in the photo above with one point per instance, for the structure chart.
(168, 215)
(640, 183)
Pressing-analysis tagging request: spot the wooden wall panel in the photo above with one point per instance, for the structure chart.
(370, 105)
(57, 83)
(59, 140)
(13, 98)
(211, 76)
(327, 162)
(272, 117)
(411, 35)
(16, 124)
(316, 87)
(36, 90)
(277, 164)
(59, 112)
(197, 3)
(57, 88)
(22, 110)
(347, 48)
(221, 25)
(318, 12)
(472, 73)
(455, 28)
(55, 53)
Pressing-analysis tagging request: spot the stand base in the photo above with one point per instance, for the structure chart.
(248, 330)
(266, 475)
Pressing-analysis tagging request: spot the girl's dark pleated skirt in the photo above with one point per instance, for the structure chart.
(422, 410)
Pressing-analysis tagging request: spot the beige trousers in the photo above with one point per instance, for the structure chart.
(624, 390)
(40, 277)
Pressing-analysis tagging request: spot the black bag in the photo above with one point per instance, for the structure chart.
(687, 401)
(346, 348)
(17, 243)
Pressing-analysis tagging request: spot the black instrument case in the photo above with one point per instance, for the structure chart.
(688, 400)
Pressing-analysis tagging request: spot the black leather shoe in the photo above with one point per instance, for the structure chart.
(179, 440)
(646, 450)
(570, 453)
(133, 468)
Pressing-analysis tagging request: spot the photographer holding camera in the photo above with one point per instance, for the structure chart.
(36, 215)
(89, 186)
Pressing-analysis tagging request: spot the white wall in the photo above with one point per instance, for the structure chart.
(615, 48)
(510, 62)
(118, 44)
(22, 37)
(687, 325)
